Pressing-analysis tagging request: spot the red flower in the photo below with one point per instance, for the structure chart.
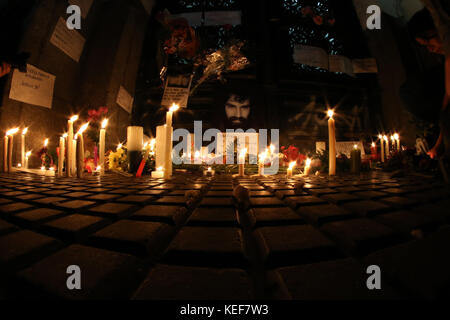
(318, 20)
(306, 11)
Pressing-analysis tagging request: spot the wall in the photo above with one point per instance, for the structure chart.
(114, 31)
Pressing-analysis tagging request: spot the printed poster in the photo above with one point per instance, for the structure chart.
(71, 42)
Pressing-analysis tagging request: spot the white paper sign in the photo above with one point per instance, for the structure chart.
(311, 56)
(341, 64)
(71, 42)
(85, 6)
(212, 18)
(368, 65)
(34, 87)
(177, 90)
(124, 99)
(361, 10)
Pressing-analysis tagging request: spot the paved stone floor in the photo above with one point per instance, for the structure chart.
(152, 239)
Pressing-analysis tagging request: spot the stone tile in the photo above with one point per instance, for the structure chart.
(136, 237)
(13, 193)
(219, 217)
(174, 215)
(75, 204)
(406, 221)
(400, 202)
(261, 193)
(322, 191)
(203, 246)
(136, 199)
(290, 245)
(324, 213)
(343, 279)
(75, 226)
(213, 193)
(340, 197)
(23, 247)
(6, 227)
(113, 210)
(349, 189)
(193, 283)
(105, 274)
(59, 192)
(265, 217)
(49, 200)
(14, 207)
(421, 266)
(360, 236)
(103, 197)
(295, 202)
(366, 207)
(173, 200)
(38, 215)
(122, 191)
(78, 194)
(216, 202)
(30, 196)
(151, 192)
(4, 201)
(266, 202)
(370, 194)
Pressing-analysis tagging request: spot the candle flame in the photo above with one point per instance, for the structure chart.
(42, 168)
(74, 118)
(392, 138)
(28, 154)
(99, 168)
(24, 131)
(355, 146)
(373, 144)
(197, 154)
(152, 142)
(65, 135)
(209, 168)
(272, 148)
(308, 162)
(380, 136)
(119, 146)
(292, 164)
(104, 123)
(396, 136)
(243, 153)
(174, 107)
(51, 168)
(12, 132)
(145, 145)
(385, 138)
(19, 165)
(330, 113)
(263, 156)
(160, 169)
(83, 128)
(46, 143)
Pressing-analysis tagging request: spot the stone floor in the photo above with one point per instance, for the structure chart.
(151, 239)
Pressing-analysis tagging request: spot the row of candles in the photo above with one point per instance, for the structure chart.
(75, 149)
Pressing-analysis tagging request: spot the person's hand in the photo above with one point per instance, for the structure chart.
(5, 68)
(432, 153)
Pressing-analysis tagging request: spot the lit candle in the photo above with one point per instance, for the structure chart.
(102, 145)
(27, 155)
(11, 134)
(143, 162)
(119, 147)
(262, 159)
(242, 155)
(152, 146)
(197, 159)
(168, 149)
(290, 169)
(209, 172)
(62, 150)
(307, 166)
(356, 159)
(393, 143)
(158, 173)
(5, 153)
(70, 147)
(382, 147)
(80, 150)
(397, 139)
(332, 143)
(386, 143)
(22, 158)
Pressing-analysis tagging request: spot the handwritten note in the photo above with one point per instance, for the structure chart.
(34, 87)
(124, 99)
(177, 90)
(71, 42)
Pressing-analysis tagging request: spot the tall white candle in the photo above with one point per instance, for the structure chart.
(80, 150)
(381, 147)
(11, 134)
(332, 143)
(397, 139)
(22, 154)
(242, 156)
(62, 150)
(386, 144)
(307, 166)
(5, 153)
(70, 147)
(27, 156)
(262, 159)
(102, 146)
(168, 150)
